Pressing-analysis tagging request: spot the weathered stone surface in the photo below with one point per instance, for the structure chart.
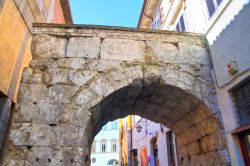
(55, 76)
(47, 113)
(61, 93)
(101, 64)
(32, 92)
(73, 63)
(122, 49)
(160, 51)
(44, 46)
(80, 77)
(83, 47)
(192, 54)
(65, 99)
(87, 97)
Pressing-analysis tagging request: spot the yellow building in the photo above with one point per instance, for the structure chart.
(16, 19)
(125, 139)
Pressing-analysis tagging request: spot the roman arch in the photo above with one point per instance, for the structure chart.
(81, 77)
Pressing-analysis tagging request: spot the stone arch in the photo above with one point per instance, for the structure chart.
(81, 78)
(161, 93)
(190, 110)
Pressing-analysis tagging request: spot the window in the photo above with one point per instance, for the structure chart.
(103, 147)
(212, 5)
(114, 125)
(177, 27)
(180, 26)
(114, 147)
(242, 100)
(156, 24)
(218, 2)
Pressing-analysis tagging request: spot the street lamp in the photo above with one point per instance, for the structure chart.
(139, 127)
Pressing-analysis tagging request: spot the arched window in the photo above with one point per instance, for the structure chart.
(103, 144)
(114, 145)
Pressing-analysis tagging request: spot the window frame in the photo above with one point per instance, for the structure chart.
(178, 24)
(114, 146)
(103, 147)
(242, 87)
(216, 6)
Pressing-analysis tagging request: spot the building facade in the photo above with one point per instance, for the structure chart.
(225, 24)
(105, 147)
(153, 143)
(144, 142)
(16, 19)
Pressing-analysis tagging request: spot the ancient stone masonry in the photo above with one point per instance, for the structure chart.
(81, 77)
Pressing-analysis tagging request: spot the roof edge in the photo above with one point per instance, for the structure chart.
(142, 13)
(66, 11)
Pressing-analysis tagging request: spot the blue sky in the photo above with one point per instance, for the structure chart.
(106, 12)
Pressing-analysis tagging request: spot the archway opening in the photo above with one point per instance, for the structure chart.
(199, 131)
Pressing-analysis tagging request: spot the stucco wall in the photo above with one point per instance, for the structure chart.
(232, 45)
(12, 29)
(16, 19)
(143, 139)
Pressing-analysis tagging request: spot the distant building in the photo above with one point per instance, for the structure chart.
(146, 143)
(225, 23)
(105, 147)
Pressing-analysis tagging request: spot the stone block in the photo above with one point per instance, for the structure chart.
(122, 49)
(192, 54)
(84, 47)
(198, 160)
(101, 64)
(80, 77)
(20, 134)
(45, 46)
(61, 93)
(75, 115)
(101, 86)
(41, 156)
(41, 135)
(24, 112)
(47, 113)
(56, 76)
(32, 92)
(87, 98)
(72, 63)
(159, 51)
(66, 135)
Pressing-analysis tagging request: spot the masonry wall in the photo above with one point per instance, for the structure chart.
(81, 77)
